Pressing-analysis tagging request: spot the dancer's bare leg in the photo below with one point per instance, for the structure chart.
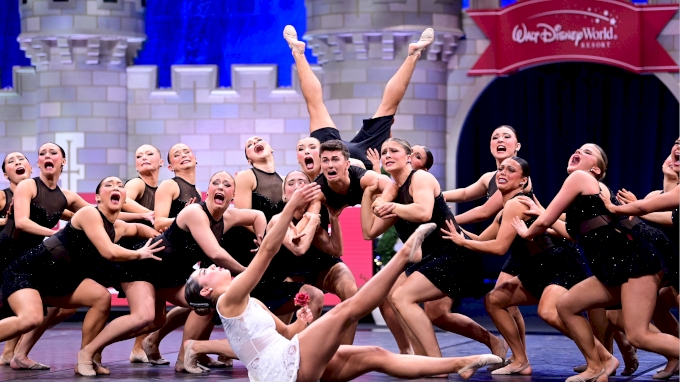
(589, 293)
(667, 323)
(439, 313)
(320, 341)
(8, 350)
(141, 300)
(92, 294)
(175, 318)
(638, 298)
(392, 321)
(350, 362)
(340, 281)
(309, 83)
(396, 86)
(20, 360)
(510, 293)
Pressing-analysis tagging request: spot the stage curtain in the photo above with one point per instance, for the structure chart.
(557, 108)
(221, 32)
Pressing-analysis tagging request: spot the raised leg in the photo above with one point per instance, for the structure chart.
(396, 86)
(350, 362)
(320, 341)
(309, 83)
(510, 293)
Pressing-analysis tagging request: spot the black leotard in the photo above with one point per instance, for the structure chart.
(45, 210)
(178, 258)
(186, 192)
(492, 187)
(58, 265)
(9, 196)
(454, 270)
(354, 194)
(614, 252)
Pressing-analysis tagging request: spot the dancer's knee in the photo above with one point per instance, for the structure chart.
(28, 322)
(434, 311)
(565, 308)
(549, 315)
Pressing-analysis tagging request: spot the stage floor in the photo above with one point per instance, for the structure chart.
(552, 357)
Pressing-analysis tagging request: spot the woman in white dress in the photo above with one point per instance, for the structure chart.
(273, 351)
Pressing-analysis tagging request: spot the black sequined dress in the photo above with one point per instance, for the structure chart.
(614, 252)
(57, 266)
(45, 210)
(9, 196)
(454, 270)
(179, 256)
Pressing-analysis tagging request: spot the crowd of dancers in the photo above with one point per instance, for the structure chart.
(244, 264)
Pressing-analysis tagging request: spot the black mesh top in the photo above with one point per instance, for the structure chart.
(492, 187)
(186, 192)
(9, 195)
(353, 195)
(76, 243)
(148, 197)
(441, 212)
(46, 209)
(584, 208)
(268, 193)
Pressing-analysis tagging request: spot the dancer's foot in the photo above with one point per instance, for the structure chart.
(423, 231)
(589, 376)
(499, 347)
(180, 368)
(26, 364)
(290, 34)
(153, 354)
(85, 366)
(138, 356)
(190, 364)
(514, 368)
(610, 366)
(100, 369)
(670, 370)
(630, 360)
(228, 362)
(483, 360)
(5, 359)
(425, 39)
(580, 368)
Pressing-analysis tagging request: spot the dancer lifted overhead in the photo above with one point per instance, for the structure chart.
(374, 130)
(273, 351)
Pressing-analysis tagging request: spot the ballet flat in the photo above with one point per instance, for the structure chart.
(578, 378)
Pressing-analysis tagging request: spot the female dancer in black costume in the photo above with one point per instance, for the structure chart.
(275, 352)
(631, 277)
(374, 130)
(192, 237)
(16, 168)
(550, 265)
(141, 197)
(446, 270)
(171, 197)
(56, 270)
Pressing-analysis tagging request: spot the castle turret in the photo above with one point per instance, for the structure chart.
(80, 49)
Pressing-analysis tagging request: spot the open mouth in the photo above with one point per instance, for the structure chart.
(575, 159)
(309, 163)
(331, 174)
(185, 161)
(501, 181)
(219, 199)
(389, 163)
(259, 148)
(501, 149)
(20, 171)
(115, 198)
(677, 158)
(49, 165)
(146, 164)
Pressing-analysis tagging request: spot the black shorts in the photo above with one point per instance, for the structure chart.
(373, 133)
(274, 294)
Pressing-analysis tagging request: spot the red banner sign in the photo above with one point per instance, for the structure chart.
(610, 32)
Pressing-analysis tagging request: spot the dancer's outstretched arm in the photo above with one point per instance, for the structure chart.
(665, 202)
(243, 284)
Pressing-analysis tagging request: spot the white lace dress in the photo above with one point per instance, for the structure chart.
(268, 355)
